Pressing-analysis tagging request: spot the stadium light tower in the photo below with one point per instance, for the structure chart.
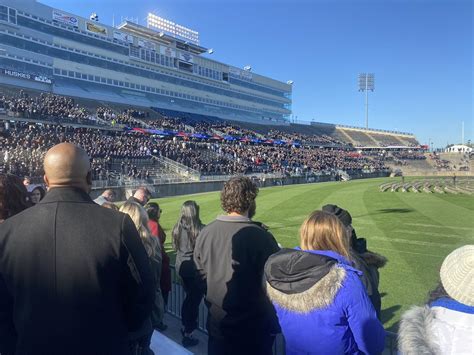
(366, 83)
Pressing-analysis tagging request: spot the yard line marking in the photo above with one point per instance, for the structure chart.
(276, 225)
(434, 234)
(411, 252)
(362, 221)
(297, 218)
(438, 226)
(414, 242)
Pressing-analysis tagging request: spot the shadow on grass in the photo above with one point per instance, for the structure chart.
(396, 210)
(389, 313)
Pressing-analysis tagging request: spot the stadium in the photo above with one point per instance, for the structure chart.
(153, 110)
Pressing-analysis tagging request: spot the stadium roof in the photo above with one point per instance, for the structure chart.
(160, 37)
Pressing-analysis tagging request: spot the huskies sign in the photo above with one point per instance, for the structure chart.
(26, 76)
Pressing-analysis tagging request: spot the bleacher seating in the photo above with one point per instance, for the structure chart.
(201, 144)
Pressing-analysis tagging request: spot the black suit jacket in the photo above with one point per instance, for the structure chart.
(74, 278)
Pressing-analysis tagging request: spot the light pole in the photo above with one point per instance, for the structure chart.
(366, 83)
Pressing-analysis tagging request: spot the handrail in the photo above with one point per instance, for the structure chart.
(11, 116)
(178, 167)
(375, 130)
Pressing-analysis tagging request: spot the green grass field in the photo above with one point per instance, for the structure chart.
(414, 231)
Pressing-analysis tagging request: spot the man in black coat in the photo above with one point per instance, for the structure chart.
(74, 276)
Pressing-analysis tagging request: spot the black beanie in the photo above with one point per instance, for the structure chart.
(340, 213)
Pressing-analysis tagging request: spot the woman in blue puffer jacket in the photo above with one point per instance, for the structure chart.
(321, 303)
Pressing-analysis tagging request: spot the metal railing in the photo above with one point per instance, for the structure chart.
(131, 183)
(75, 123)
(178, 167)
(227, 177)
(176, 298)
(375, 130)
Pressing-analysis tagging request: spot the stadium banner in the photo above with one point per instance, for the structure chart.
(246, 75)
(186, 57)
(146, 44)
(94, 28)
(65, 18)
(168, 52)
(234, 71)
(26, 76)
(241, 74)
(123, 37)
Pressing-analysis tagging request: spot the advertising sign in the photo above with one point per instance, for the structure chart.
(146, 44)
(94, 28)
(168, 52)
(65, 18)
(186, 57)
(123, 37)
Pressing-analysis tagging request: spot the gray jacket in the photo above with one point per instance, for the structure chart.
(230, 254)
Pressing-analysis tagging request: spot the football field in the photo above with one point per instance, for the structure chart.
(415, 231)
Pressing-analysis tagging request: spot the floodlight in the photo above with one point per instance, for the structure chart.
(248, 68)
(366, 83)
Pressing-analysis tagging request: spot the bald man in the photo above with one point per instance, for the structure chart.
(141, 196)
(74, 277)
(106, 196)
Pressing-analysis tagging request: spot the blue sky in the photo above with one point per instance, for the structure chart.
(421, 52)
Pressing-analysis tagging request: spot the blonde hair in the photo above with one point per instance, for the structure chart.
(110, 205)
(324, 231)
(140, 218)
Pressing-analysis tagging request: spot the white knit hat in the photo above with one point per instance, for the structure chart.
(457, 275)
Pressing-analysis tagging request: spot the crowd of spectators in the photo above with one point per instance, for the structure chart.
(440, 164)
(128, 117)
(24, 145)
(398, 157)
(46, 106)
(322, 139)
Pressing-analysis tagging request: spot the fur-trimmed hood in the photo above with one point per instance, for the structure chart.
(302, 281)
(414, 336)
(373, 259)
(444, 327)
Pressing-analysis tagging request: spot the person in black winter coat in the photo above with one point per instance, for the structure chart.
(74, 277)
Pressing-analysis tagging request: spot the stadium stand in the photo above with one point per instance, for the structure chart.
(360, 138)
(384, 140)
